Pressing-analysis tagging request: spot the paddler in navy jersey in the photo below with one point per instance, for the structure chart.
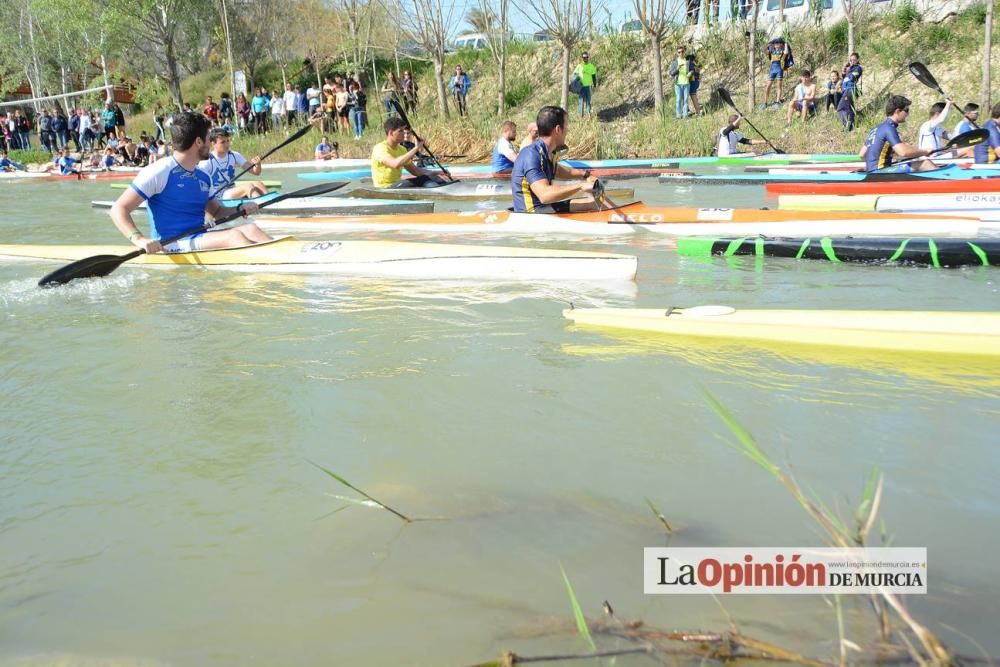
(883, 143)
(178, 196)
(535, 169)
(988, 152)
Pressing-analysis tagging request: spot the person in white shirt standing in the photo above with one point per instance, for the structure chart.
(221, 167)
(932, 135)
(277, 105)
(289, 99)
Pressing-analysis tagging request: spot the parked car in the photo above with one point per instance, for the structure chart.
(633, 26)
(475, 40)
(542, 36)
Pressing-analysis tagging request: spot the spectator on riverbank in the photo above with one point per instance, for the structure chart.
(226, 110)
(390, 92)
(833, 90)
(60, 129)
(260, 104)
(289, 99)
(779, 55)
(45, 136)
(587, 72)
(409, 90)
(694, 83)
(805, 98)
(277, 106)
(243, 111)
(23, 125)
(119, 120)
(679, 70)
(108, 120)
(211, 110)
(459, 86)
(359, 109)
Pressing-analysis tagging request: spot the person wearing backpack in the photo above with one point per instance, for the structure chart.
(779, 54)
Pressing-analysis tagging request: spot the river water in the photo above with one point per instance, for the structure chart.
(162, 435)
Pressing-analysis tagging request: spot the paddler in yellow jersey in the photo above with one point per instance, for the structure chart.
(389, 158)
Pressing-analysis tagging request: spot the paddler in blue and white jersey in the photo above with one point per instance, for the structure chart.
(178, 195)
(221, 167)
(63, 163)
(504, 151)
(535, 169)
(6, 164)
(883, 142)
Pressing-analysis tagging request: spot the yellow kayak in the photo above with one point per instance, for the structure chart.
(938, 332)
(372, 258)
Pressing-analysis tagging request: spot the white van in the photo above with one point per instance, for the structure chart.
(476, 40)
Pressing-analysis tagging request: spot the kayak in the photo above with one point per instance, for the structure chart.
(936, 332)
(625, 219)
(984, 206)
(267, 184)
(309, 206)
(975, 182)
(856, 165)
(940, 253)
(368, 258)
(17, 175)
(947, 172)
(615, 173)
(330, 165)
(456, 190)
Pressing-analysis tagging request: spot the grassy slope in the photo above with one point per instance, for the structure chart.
(628, 126)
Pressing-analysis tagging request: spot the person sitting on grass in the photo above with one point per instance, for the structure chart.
(805, 98)
(221, 167)
(390, 156)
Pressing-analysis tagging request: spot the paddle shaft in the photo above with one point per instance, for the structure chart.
(402, 114)
(727, 98)
(964, 140)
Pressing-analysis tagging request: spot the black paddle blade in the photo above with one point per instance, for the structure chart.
(970, 138)
(924, 76)
(725, 97)
(398, 108)
(88, 267)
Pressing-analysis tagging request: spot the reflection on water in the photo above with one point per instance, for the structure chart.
(158, 428)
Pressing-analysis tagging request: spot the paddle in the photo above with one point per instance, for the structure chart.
(724, 94)
(964, 140)
(602, 199)
(102, 265)
(402, 114)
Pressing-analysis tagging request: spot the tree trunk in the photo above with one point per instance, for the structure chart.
(501, 95)
(752, 59)
(657, 41)
(172, 76)
(439, 83)
(564, 98)
(850, 33)
(985, 100)
(108, 95)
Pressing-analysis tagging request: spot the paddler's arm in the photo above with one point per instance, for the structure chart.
(216, 210)
(403, 160)
(121, 215)
(904, 151)
(549, 193)
(255, 165)
(568, 173)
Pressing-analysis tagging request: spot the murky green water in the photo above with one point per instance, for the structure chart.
(158, 429)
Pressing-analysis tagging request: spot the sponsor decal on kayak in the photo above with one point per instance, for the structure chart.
(784, 570)
(636, 218)
(979, 199)
(723, 214)
(322, 247)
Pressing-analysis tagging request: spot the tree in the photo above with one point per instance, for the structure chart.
(431, 26)
(752, 53)
(253, 36)
(565, 20)
(319, 46)
(656, 16)
(165, 30)
(984, 94)
(480, 17)
(495, 25)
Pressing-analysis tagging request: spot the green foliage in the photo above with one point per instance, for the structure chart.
(905, 16)
(836, 36)
(517, 93)
(621, 51)
(974, 15)
(29, 157)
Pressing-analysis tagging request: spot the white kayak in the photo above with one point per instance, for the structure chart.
(18, 175)
(332, 165)
(626, 219)
(982, 205)
(367, 258)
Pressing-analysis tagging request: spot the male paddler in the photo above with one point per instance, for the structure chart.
(535, 169)
(178, 195)
(390, 156)
(222, 164)
(883, 142)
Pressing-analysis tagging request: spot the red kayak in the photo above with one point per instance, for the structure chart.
(910, 187)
